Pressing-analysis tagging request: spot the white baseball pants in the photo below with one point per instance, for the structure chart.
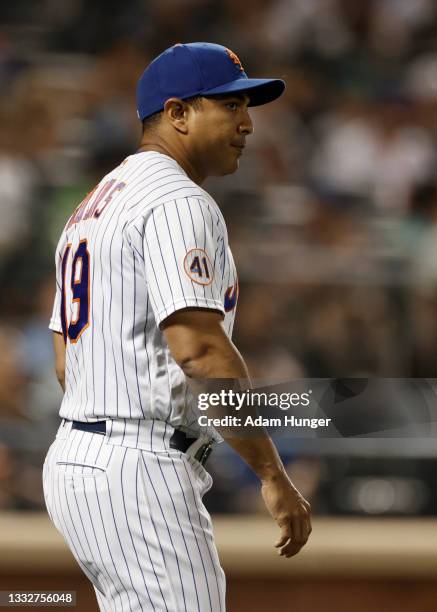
(131, 511)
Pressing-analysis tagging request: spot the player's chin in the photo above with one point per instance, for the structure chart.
(230, 166)
(225, 164)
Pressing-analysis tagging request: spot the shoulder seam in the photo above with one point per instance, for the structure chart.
(154, 205)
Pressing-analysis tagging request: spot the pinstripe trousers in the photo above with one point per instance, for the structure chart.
(131, 511)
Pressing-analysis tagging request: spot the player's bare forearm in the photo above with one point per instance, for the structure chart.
(261, 455)
(205, 353)
(203, 350)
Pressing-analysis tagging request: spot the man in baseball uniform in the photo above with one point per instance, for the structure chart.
(145, 302)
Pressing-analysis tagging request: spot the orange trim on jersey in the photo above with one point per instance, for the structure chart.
(102, 193)
(64, 295)
(77, 282)
(108, 199)
(88, 323)
(82, 213)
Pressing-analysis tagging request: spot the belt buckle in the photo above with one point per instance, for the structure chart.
(200, 449)
(203, 453)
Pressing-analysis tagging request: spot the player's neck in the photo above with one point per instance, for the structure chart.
(179, 157)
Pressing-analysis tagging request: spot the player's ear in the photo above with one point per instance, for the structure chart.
(176, 112)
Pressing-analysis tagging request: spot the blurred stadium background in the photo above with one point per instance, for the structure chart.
(332, 218)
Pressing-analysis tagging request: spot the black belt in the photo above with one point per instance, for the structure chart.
(98, 427)
(179, 440)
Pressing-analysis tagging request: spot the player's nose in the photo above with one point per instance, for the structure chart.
(246, 125)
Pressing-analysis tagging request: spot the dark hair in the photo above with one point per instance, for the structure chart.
(152, 121)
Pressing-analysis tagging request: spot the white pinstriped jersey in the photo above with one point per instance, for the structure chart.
(146, 242)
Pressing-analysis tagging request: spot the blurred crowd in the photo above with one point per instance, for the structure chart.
(332, 216)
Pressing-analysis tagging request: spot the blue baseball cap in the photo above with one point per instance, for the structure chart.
(199, 69)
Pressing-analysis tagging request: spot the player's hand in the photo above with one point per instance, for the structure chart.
(290, 510)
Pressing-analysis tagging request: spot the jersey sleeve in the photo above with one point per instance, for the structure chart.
(183, 249)
(55, 320)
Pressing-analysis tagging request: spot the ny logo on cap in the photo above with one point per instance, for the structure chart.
(234, 57)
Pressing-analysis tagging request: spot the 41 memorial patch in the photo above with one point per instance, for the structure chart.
(198, 268)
